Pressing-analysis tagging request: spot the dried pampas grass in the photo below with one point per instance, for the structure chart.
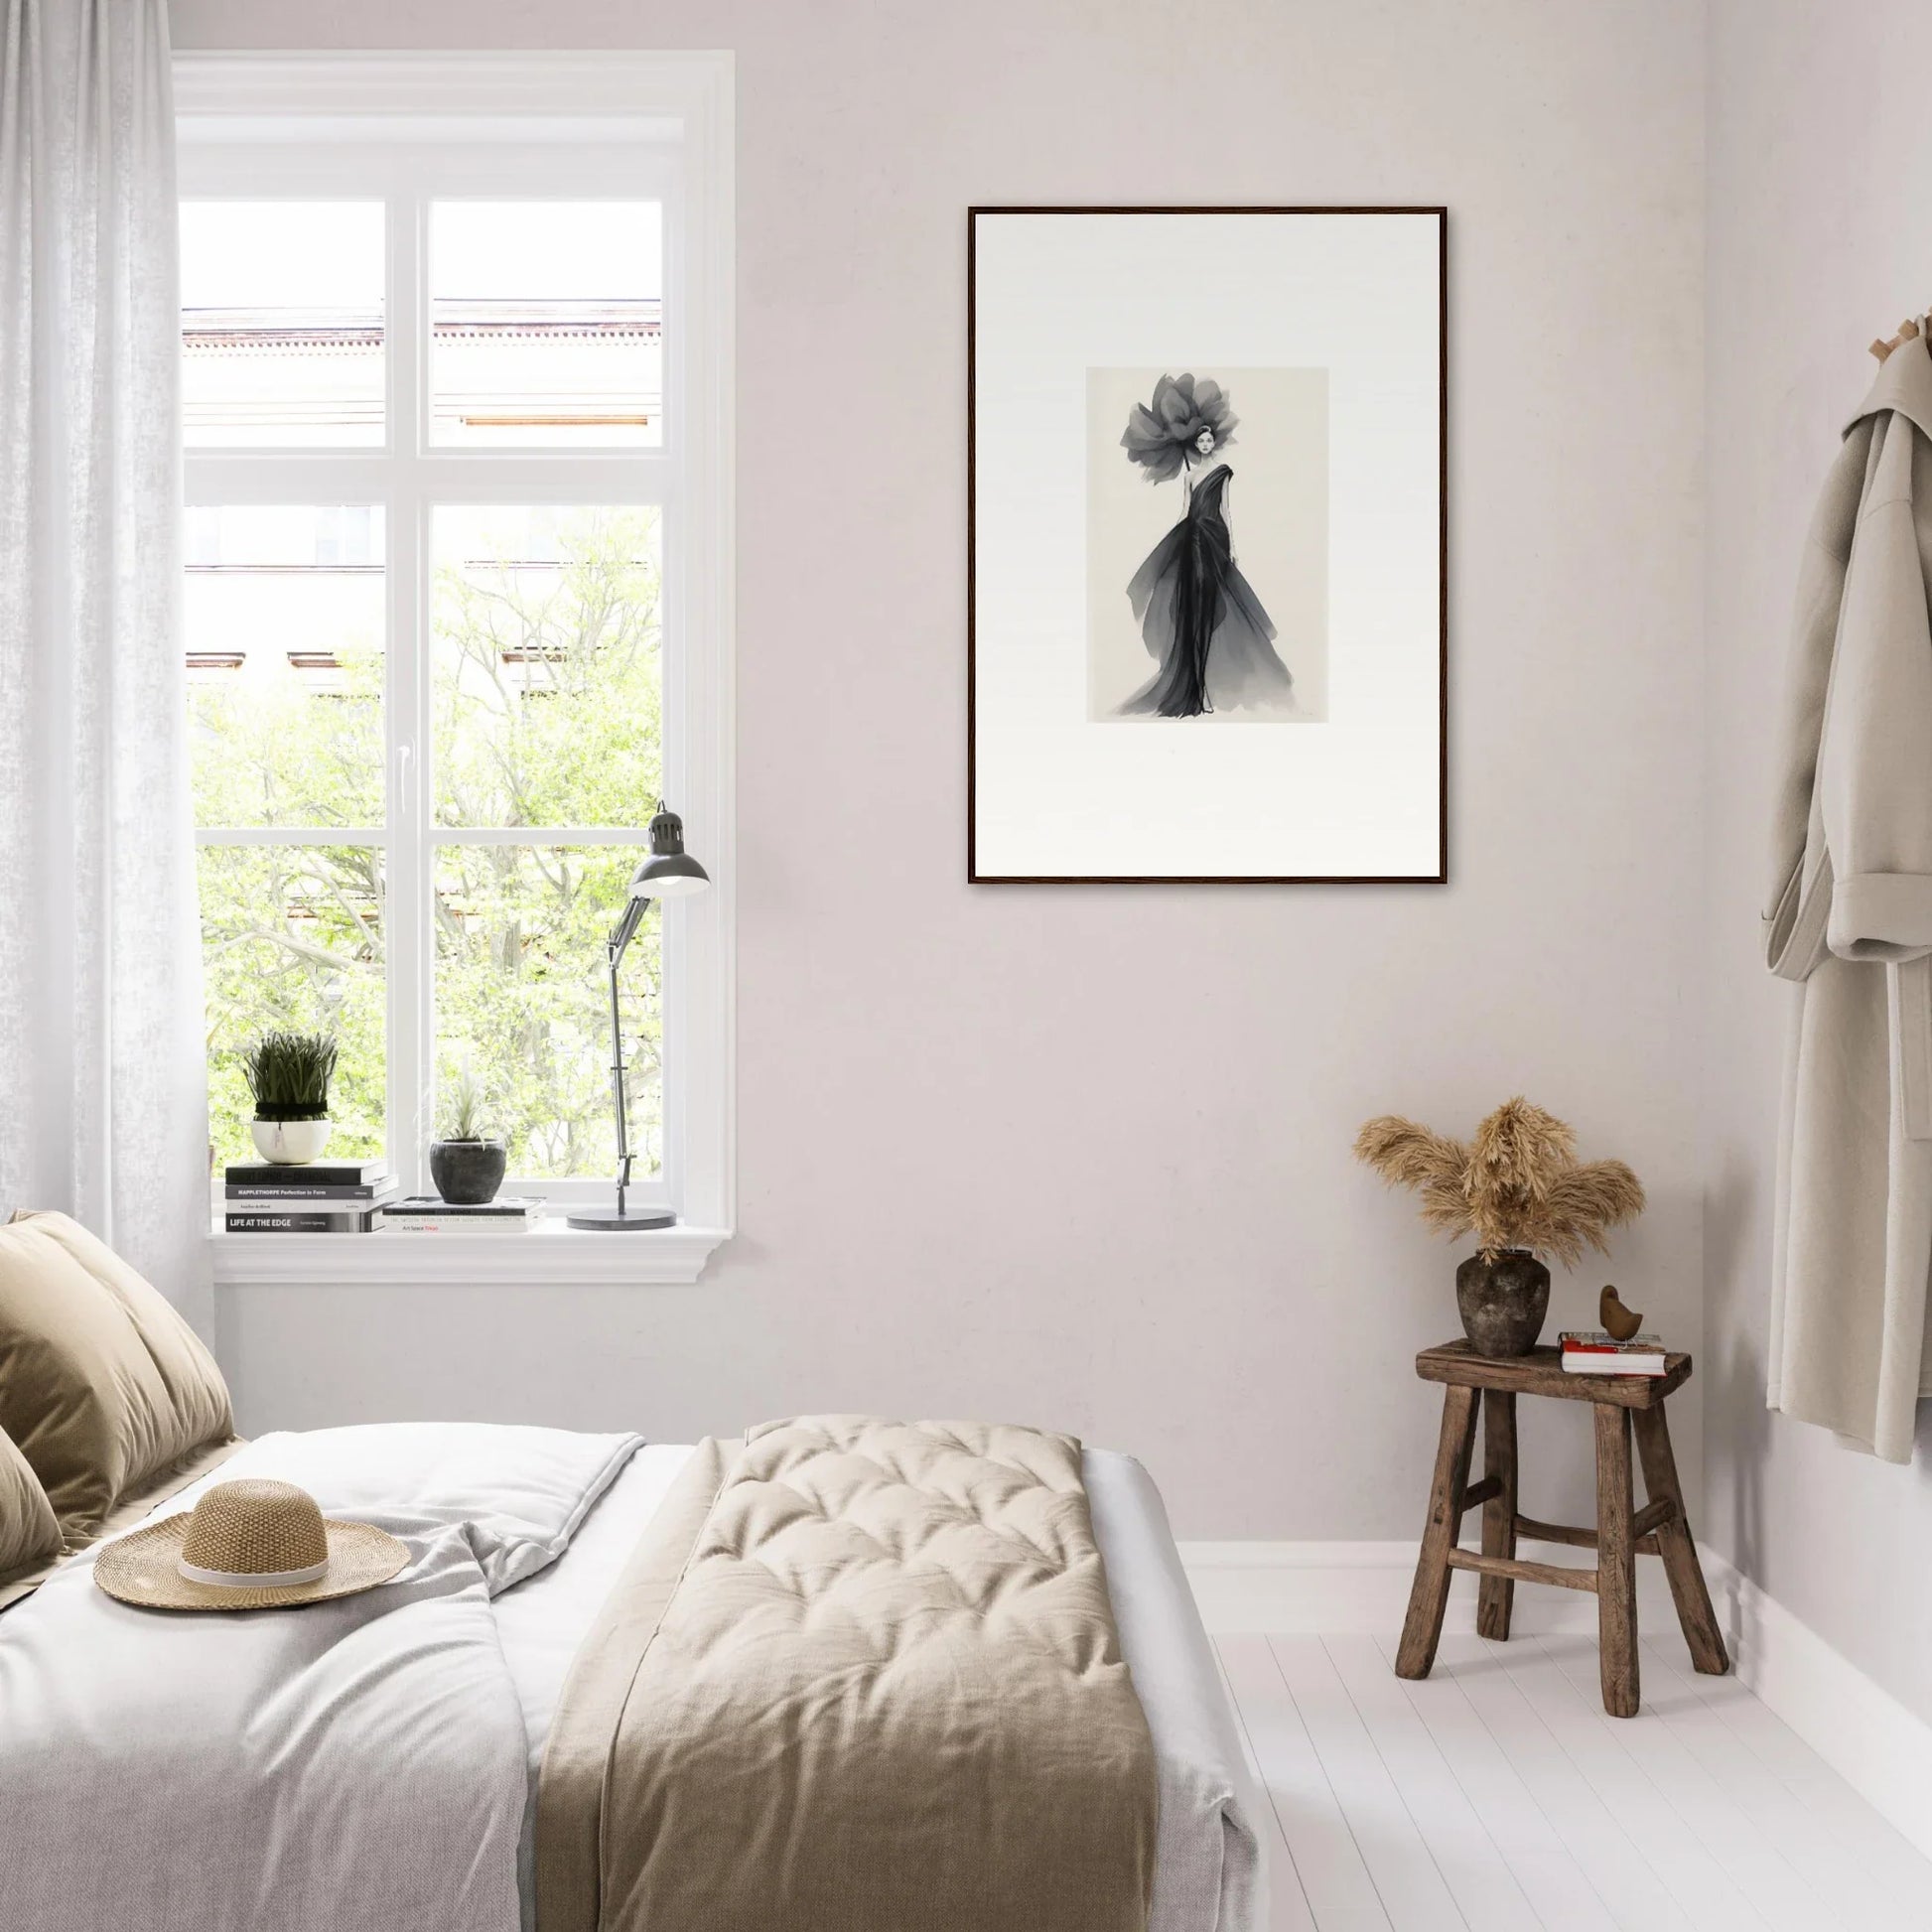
(1517, 1184)
(1409, 1156)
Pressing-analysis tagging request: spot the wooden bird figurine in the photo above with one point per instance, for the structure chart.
(1617, 1320)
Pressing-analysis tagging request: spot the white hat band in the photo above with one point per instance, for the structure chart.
(253, 1579)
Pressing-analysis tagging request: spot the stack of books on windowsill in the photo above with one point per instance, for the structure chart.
(323, 1198)
(427, 1214)
(1592, 1351)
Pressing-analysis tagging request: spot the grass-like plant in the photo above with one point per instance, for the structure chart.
(464, 1112)
(289, 1075)
(1516, 1185)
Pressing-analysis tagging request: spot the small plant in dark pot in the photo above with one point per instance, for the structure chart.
(289, 1075)
(468, 1163)
(1520, 1189)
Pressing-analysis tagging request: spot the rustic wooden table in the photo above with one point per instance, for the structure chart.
(1622, 1533)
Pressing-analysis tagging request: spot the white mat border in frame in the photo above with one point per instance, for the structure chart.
(1055, 291)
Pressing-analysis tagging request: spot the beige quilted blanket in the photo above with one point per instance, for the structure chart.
(863, 1676)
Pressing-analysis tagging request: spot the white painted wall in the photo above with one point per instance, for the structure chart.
(1080, 1155)
(1820, 239)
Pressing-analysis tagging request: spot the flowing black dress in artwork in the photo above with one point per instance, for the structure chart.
(1201, 621)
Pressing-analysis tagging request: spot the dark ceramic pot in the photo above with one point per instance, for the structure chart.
(1503, 1301)
(468, 1173)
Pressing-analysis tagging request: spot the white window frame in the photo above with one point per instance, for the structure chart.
(406, 128)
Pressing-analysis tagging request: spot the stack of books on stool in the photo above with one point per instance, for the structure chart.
(1595, 1351)
(323, 1198)
(428, 1214)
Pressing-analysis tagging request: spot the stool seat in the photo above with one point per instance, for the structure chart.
(1540, 1372)
(1621, 1403)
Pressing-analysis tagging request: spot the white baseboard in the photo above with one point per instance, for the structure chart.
(1328, 1589)
(1872, 1741)
(1880, 1747)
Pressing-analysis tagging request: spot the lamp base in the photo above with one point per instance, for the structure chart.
(610, 1220)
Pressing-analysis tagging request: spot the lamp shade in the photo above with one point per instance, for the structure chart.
(669, 872)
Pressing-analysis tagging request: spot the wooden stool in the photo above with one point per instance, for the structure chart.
(1658, 1529)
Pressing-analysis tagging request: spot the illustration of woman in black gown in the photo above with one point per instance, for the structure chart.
(1199, 619)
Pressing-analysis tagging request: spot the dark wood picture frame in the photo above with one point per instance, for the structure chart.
(974, 875)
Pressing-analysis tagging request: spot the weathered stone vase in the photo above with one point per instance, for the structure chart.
(1503, 1299)
(468, 1173)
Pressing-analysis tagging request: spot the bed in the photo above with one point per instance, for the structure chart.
(501, 1616)
(842, 1674)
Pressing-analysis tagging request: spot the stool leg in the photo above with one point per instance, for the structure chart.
(1422, 1630)
(1678, 1546)
(1496, 1596)
(1616, 1563)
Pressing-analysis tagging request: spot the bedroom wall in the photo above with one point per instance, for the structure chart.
(1081, 1156)
(1820, 239)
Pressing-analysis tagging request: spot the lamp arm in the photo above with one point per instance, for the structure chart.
(615, 947)
(626, 929)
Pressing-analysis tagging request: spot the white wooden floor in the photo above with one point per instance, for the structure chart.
(1496, 1795)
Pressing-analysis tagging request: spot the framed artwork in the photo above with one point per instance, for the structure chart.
(1207, 545)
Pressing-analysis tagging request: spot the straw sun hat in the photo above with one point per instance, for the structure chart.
(250, 1545)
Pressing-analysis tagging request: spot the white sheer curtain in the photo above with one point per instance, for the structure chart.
(101, 1061)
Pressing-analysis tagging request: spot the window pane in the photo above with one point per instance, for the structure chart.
(284, 613)
(522, 1001)
(281, 323)
(547, 684)
(292, 937)
(546, 324)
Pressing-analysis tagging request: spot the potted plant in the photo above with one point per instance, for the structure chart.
(1520, 1189)
(468, 1163)
(289, 1075)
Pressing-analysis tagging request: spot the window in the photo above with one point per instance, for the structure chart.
(456, 601)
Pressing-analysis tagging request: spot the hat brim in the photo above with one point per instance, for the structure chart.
(143, 1569)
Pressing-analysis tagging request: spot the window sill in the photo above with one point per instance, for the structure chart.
(549, 1254)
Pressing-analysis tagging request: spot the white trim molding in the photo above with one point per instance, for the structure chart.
(548, 1255)
(1882, 1750)
(1880, 1747)
(629, 93)
(1336, 1588)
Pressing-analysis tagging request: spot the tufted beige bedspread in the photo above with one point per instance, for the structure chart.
(861, 1676)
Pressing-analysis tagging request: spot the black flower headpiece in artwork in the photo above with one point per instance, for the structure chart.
(1162, 435)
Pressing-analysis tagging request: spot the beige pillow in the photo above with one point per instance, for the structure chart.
(29, 1534)
(103, 1385)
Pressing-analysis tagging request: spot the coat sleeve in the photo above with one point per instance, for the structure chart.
(1875, 762)
(1797, 903)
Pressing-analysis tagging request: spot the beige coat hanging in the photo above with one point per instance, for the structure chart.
(1850, 917)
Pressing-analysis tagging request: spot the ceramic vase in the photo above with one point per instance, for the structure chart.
(290, 1143)
(1503, 1299)
(468, 1173)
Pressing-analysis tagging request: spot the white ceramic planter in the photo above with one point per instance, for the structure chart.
(290, 1143)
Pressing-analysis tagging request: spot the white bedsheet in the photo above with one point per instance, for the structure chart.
(1208, 1874)
(352, 1766)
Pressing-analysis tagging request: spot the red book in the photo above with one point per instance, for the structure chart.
(1591, 1351)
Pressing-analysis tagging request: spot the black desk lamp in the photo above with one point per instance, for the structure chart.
(670, 873)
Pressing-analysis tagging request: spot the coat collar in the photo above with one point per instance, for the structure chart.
(1903, 385)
